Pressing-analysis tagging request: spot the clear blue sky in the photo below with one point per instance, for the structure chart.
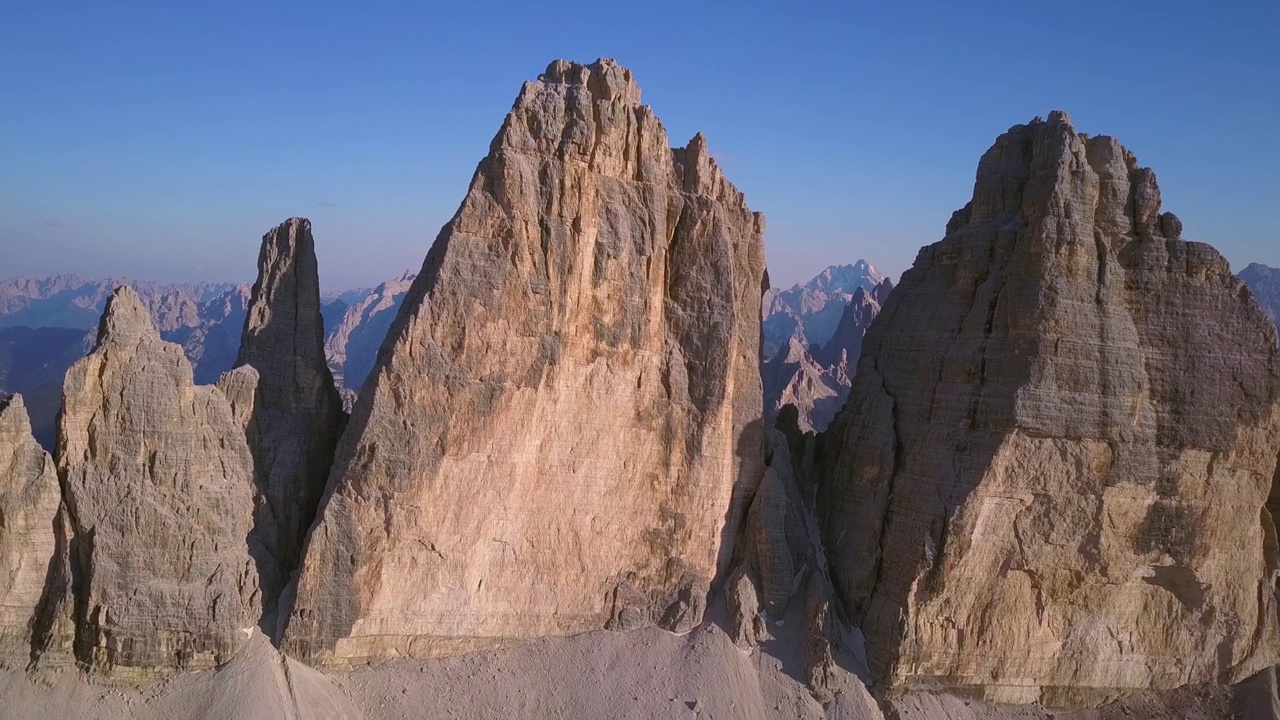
(161, 139)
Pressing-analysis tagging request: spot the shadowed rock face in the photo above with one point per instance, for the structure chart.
(283, 393)
(560, 421)
(1051, 474)
(158, 483)
(29, 501)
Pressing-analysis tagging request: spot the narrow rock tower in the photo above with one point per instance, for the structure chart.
(283, 393)
(1050, 480)
(566, 413)
(31, 541)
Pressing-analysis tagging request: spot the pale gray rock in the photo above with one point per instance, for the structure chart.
(158, 482)
(288, 405)
(794, 377)
(29, 537)
(563, 427)
(1050, 481)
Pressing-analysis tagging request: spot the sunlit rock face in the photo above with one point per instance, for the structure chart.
(30, 533)
(560, 427)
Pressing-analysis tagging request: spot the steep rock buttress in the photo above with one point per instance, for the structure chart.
(567, 407)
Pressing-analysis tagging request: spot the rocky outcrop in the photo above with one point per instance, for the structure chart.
(1265, 283)
(816, 379)
(30, 532)
(809, 313)
(566, 415)
(283, 394)
(158, 482)
(1050, 480)
(795, 377)
(353, 342)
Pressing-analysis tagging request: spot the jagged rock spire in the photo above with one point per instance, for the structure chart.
(567, 409)
(284, 395)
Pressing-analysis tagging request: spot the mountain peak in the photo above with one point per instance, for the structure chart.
(126, 318)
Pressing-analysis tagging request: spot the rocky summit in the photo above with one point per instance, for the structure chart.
(1051, 480)
(562, 425)
(158, 483)
(282, 392)
(811, 312)
(1265, 283)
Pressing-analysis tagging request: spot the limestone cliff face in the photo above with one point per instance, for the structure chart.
(283, 393)
(158, 483)
(1051, 475)
(29, 536)
(568, 404)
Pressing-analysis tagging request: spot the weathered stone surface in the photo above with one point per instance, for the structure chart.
(566, 417)
(158, 483)
(748, 626)
(288, 405)
(29, 502)
(1050, 479)
(775, 533)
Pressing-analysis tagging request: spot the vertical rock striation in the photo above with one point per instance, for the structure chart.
(566, 413)
(30, 535)
(158, 483)
(283, 394)
(1050, 480)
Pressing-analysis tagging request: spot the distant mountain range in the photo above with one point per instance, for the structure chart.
(49, 322)
(810, 312)
(812, 332)
(1265, 283)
